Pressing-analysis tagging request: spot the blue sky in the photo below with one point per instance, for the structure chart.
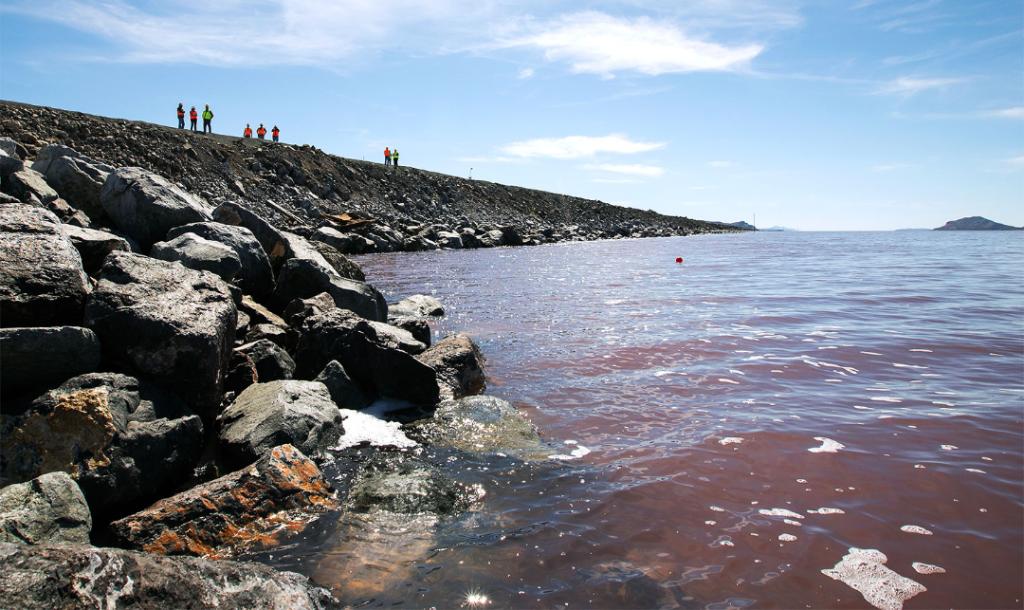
(843, 114)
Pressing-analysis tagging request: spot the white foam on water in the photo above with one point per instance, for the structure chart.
(383, 406)
(727, 380)
(730, 440)
(986, 458)
(787, 537)
(791, 522)
(920, 466)
(710, 522)
(886, 399)
(917, 349)
(361, 427)
(900, 365)
(615, 301)
(927, 568)
(827, 445)
(717, 509)
(825, 510)
(780, 512)
(575, 454)
(977, 470)
(871, 353)
(864, 571)
(662, 373)
(886, 416)
(862, 408)
(949, 447)
(916, 529)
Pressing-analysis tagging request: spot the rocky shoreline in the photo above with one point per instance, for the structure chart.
(178, 366)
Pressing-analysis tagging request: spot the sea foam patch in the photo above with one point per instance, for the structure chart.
(927, 568)
(780, 512)
(825, 510)
(730, 440)
(827, 445)
(578, 452)
(864, 571)
(916, 529)
(366, 428)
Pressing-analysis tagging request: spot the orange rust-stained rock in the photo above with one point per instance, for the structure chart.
(245, 510)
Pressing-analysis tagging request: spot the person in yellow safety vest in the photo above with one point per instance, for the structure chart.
(394, 157)
(261, 133)
(207, 119)
(248, 131)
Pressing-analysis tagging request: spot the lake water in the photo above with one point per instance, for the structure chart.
(736, 423)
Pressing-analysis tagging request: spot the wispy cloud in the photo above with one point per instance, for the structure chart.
(525, 73)
(597, 43)
(720, 164)
(1013, 112)
(908, 85)
(648, 171)
(576, 147)
(1017, 161)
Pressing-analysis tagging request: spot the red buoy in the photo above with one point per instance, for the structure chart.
(679, 259)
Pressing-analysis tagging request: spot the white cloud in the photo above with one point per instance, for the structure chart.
(525, 73)
(575, 147)
(1016, 161)
(908, 86)
(649, 171)
(720, 164)
(1015, 112)
(596, 43)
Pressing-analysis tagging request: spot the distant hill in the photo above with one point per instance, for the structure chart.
(746, 226)
(975, 223)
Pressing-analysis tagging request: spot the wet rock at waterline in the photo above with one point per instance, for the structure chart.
(303, 278)
(478, 423)
(42, 281)
(49, 576)
(397, 482)
(417, 305)
(248, 509)
(299, 413)
(49, 508)
(344, 392)
(169, 323)
(459, 364)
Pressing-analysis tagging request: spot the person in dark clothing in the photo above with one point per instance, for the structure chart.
(276, 133)
(181, 116)
(194, 117)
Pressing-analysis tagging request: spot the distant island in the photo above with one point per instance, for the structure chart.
(975, 223)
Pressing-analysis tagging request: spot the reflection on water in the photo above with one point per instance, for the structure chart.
(752, 415)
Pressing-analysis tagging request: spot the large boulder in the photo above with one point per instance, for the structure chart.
(417, 305)
(85, 428)
(169, 323)
(29, 186)
(477, 423)
(269, 359)
(94, 245)
(398, 338)
(346, 243)
(271, 239)
(459, 364)
(247, 509)
(264, 415)
(344, 392)
(417, 327)
(65, 576)
(9, 163)
(378, 366)
(146, 206)
(341, 263)
(77, 178)
(49, 508)
(256, 277)
(42, 282)
(200, 254)
(35, 358)
(396, 482)
(302, 278)
(449, 239)
(301, 248)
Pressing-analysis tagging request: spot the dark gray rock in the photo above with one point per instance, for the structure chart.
(264, 415)
(302, 278)
(122, 394)
(256, 276)
(341, 263)
(29, 186)
(459, 365)
(375, 364)
(10, 163)
(469, 238)
(35, 358)
(94, 245)
(418, 244)
(77, 178)
(417, 305)
(201, 254)
(344, 392)
(300, 309)
(397, 338)
(397, 482)
(417, 327)
(301, 248)
(449, 239)
(146, 206)
(42, 282)
(490, 239)
(270, 360)
(283, 337)
(171, 324)
(346, 243)
(477, 423)
(49, 508)
(271, 239)
(47, 577)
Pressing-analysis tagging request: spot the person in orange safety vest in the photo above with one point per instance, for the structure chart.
(194, 117)
(248, 131)
(261, 133)
(275, 133)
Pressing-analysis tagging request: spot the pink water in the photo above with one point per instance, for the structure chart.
(700, 390)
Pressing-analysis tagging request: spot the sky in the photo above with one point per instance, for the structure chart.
(816, 115)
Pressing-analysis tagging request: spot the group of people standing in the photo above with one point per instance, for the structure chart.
(194, 118)
(193, 115)
(390, 156)
(261, 132)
